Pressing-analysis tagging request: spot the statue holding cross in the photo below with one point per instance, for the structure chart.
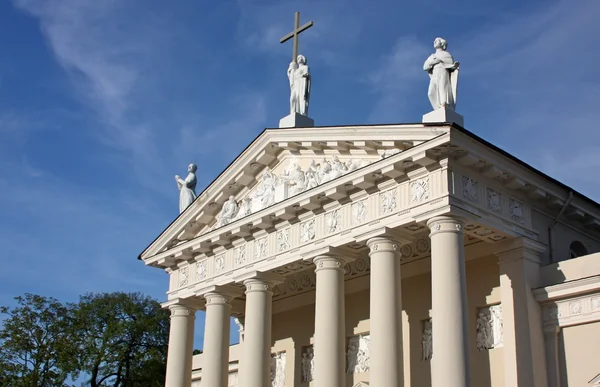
(298, 72)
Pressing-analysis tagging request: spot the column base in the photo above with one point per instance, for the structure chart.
(296, 121)
(444, 115)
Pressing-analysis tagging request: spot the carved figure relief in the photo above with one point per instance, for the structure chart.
(359, 359)
(469, 189)
(184, 276)
(278, 369)
(388, 201)
(228, 212)
(201, 270)
(260, 248)
(307, 231)
(493, 200)
(516, 210)
(420, 190)
(293, 180)
(283, 237)
(359, 212)
(239, 255)
(220, 263)
(427, 340)
(332, 221)
(489, 327)
(308, 364)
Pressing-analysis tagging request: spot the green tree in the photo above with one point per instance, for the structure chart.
(36, 349)
(123, 339)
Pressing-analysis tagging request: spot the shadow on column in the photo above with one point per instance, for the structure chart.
(416, 302)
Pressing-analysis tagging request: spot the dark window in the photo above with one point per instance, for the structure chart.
(577, 249)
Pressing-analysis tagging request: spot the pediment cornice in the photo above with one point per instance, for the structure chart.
(267, 150)
(422, 148)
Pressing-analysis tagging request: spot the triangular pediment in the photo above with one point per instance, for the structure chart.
(281, 163)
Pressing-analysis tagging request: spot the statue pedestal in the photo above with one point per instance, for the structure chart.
(444, 115)
(296, 121)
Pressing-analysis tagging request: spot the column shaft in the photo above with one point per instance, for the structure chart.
(256, 361)
(450, 363)
(215, 371)
(181, 346)
(330, 332)
(386, 314)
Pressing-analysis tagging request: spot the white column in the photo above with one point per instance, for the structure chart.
(330, 324)
(386, 314)
(181, 346)
(450, 363)
(524, 357)
(215, 370)
(255, 365)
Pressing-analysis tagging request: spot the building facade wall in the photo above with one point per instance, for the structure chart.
(579, 354)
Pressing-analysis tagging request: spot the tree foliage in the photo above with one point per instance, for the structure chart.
(35, 343)
(123, 339)
(113, 339)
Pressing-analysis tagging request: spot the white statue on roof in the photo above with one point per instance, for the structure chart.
(299, 77)
(187, 188)
(443, 74)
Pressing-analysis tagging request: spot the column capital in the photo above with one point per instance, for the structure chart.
(260, 281)
(181, 310)
(215, 298)
(384, 243)
(445, 224)
(330, 262)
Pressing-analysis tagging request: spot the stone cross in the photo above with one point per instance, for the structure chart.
(294, 34)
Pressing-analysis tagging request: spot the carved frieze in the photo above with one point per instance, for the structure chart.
(184, 276)
(283, 239)
(419, 190)
(387, 201)
(333, 221)
(260, 248)
(307, 231)
(489, 328)
(201, 270)
(239, 255)
(359, 212)
(469, 187)
(494, 202)
(516, 210)
(358, 356)
(278, 369)
(220, 263)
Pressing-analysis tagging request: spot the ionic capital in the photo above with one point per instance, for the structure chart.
(215, 298)
(179, 310)
(383, 244)
(260, 281)
(445, 224)
(330, 262)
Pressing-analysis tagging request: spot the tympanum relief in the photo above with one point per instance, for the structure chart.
(273, 188)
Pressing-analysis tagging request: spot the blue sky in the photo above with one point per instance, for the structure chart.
(102, 102)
